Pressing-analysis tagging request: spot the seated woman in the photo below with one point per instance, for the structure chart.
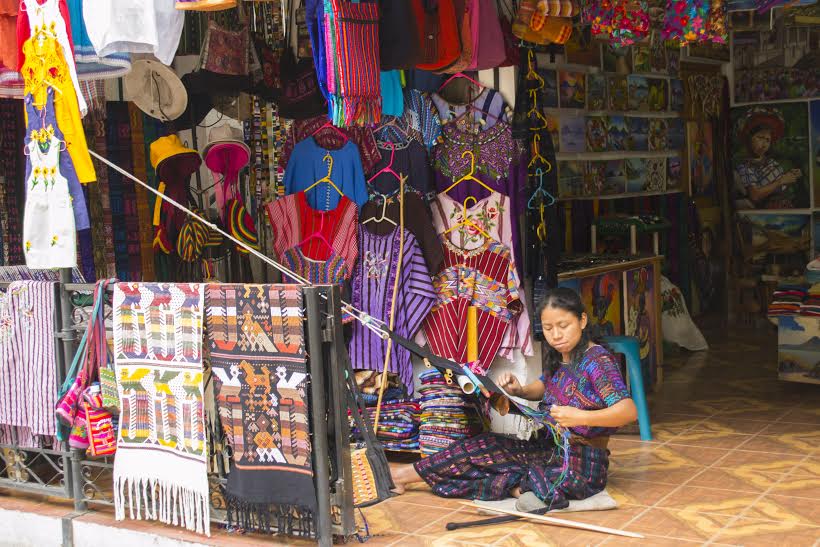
(582, 390)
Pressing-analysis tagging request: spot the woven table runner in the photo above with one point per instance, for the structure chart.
(259, 366)
(160, 471)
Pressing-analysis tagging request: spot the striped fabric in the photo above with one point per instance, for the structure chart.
(118, 150)
(374, 278)
(485, 278)
(353, 66)
(143, 211)
(28, 384)
(293, 220)
(11, 165)
(332, 271)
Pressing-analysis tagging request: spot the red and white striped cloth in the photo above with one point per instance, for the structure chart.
(28, 366)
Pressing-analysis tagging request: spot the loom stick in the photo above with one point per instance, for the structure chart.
(558, 522)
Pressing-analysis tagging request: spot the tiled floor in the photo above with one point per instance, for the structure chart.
(735, 461)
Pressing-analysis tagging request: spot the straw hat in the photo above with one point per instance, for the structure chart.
(155, 89)
(226, 151)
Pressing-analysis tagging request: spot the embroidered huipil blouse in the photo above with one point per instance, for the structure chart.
(491, 214)
(485, 278)
(331, 139)
(374, 278)
(306, 166)
(594, 383)
(409, 159)
(293, 220)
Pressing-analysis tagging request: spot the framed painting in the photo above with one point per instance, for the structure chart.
(601, 295)
(641, 317)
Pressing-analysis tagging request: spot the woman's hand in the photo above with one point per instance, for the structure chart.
(568, 416)
(509, 383)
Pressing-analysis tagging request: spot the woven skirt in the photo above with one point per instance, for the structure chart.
(489, 467)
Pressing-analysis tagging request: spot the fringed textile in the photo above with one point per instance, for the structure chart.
(258, 361)
(353, 66)
(160, 471)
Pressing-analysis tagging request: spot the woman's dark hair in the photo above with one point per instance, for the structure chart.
(565, 299)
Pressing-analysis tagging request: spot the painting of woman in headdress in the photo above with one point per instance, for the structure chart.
(770, 152)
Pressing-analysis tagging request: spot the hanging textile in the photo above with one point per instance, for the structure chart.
(161, 446)
(90, 65)
(118, 146)
(27, 353)
(330, 139)
(143, 213)
(102, 223)
(11, 146)
(624, 21)
(352, 46)
(259, 365)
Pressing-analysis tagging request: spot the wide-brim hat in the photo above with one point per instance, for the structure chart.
(762, 116)
(155, 89)
(226, 151)
(171, 160)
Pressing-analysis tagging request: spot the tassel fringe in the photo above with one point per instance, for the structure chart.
(265, 518)
(162, 501)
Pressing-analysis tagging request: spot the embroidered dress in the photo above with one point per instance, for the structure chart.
(332, 271)
(259, 365)
(307, 165)
(49, 235)
(374, 279)
(293, 221)
(492, 214)
(485, 278)
(161, 444)
(489, 466)
(409, 159)
(419, 122)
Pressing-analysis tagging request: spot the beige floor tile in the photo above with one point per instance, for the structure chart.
(752, 533)
(698, 499)
(691, 526)
(634, 492)
(733, 480)
(792, 445)
(781, 463)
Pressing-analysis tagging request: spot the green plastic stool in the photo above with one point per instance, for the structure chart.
(629, 347)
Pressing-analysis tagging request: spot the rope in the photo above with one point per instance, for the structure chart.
(365, 319)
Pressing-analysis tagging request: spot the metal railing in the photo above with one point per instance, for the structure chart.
(71, 474)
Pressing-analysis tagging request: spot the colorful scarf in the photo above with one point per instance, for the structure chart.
(161, 466)
(259, 365)
(353, 70)
(28, 385)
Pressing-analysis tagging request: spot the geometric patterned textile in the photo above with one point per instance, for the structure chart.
(259, 366)
(161, 462)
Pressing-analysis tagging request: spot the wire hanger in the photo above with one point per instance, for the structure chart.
(541, 192)
(389, 167)
(329, 159)
(469, 176)
(466, 220)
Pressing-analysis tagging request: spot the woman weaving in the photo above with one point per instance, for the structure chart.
(582, 390)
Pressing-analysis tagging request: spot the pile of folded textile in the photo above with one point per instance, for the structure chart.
(398, 424)
(447, 415)
(786, 300)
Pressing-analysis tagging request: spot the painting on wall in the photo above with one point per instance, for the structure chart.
(674, 168)
(658, 129)
(779, 244)
(550, 90)
(615, 177)
(676, 99)
(570, 179)
(635, 175)
(596, 92)
(701, 159)
(596, 133)
(673, 61)
(554, 127)
(571, 89)
(798, 342)
(617, 92)
(573, 134)
(638, 92)
(776, 64)
(639, 314)
(602, 299)
(770, 152)
(675, 135)
(594, 178)
(641, 62)
(638, 138)
(655, 174)
(658, 94)
(617, 132)
(814, 121)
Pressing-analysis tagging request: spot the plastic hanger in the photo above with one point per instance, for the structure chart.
(460, 75)
(541, 192)
(536, 156)
(541, 230)
(383, 217)
(318, 234)
(466, 220)
(329, 159)
(389, 167)
(470, 175)
(327, 124)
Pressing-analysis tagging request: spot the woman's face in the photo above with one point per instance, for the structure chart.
(562, 329)
(761, 142)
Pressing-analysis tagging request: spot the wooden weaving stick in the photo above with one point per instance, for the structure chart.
(557, 522)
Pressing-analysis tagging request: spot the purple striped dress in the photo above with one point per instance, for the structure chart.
(373, 279)
(28, 384)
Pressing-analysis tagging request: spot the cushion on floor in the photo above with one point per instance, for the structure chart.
(601, 501)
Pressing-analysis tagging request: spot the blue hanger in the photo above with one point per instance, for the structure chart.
(540, 192)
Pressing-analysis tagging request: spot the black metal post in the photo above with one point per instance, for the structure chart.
(318, 416)
(68, 337)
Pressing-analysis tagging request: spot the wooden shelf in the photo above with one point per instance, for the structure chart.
(618, 155)
(624, 196)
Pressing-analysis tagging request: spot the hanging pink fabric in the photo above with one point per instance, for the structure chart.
(488, 40)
